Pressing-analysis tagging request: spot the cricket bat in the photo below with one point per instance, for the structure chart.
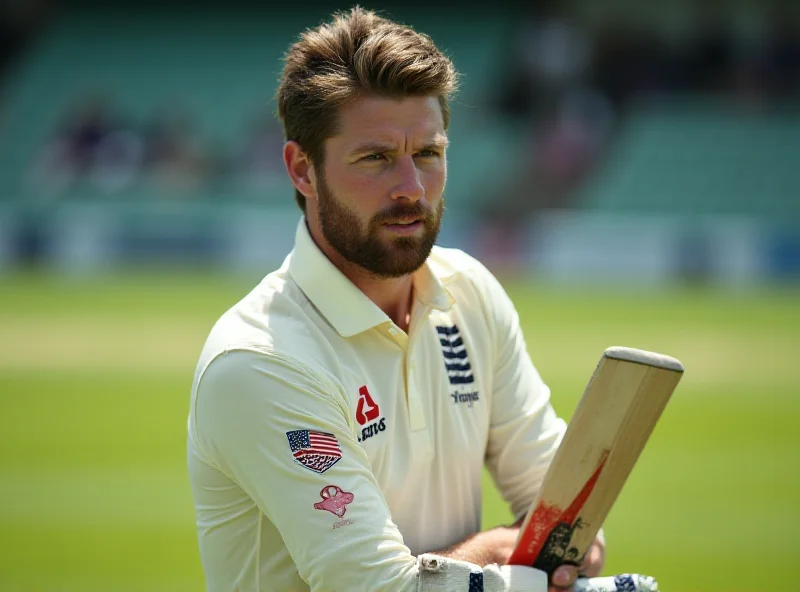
(612, 422)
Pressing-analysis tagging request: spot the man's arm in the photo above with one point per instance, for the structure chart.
(483, 548)
(495, 546)
(247, 408)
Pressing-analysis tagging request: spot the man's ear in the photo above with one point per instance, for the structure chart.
(300, 169)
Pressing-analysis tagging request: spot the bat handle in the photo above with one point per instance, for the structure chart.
(620, 583)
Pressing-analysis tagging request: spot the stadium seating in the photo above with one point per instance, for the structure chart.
(223, 71)
(689, 157)
(702, 158)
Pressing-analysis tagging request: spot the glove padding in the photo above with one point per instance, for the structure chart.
(620, 583)
(442, 574)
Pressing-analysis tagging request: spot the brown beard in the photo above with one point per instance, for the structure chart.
(384, 258)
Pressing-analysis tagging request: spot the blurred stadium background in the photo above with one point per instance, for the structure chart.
(630, 170)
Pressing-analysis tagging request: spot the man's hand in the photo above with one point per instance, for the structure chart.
(483, 548)
(496, 545)
(595, 558)
(565, 575)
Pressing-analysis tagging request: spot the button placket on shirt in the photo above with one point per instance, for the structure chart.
(415, 404)
(415, 408)
(423, 450)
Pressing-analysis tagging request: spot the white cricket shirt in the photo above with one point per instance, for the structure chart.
(327, 447)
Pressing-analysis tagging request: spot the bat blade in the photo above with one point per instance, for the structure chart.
(611, 424)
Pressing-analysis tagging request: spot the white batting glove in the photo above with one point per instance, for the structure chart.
(620, 583)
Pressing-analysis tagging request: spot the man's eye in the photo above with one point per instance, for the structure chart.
(373, 157)
(427, 153)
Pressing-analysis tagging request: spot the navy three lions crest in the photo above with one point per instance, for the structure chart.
(455, 356)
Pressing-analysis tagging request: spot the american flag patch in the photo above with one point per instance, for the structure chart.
(317, 451)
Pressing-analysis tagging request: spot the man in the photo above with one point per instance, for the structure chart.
(343, 411)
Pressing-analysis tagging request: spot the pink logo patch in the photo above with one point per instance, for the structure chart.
(334, 500)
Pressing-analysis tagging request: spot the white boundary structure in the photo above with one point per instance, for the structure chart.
(556, 247)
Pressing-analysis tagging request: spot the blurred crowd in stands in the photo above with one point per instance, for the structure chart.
(568, 86)
(19, 21)
(97, 145)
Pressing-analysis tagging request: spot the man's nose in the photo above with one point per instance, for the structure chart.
(409, 184)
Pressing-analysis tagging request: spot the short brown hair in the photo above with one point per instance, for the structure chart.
(356, 52)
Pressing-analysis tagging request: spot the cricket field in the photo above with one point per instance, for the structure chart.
(94, 385)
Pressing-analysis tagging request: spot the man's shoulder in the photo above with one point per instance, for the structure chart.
(472, 285)
(273, 320)
(454, 266)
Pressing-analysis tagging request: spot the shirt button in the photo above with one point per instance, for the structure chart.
(392, 331)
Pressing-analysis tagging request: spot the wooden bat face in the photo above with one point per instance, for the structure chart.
(616, 415)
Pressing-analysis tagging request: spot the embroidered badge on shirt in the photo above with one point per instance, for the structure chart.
(367, 414)
(317, 451)
(334, 499)
(367, 409)
(459, 370)
(455, 355)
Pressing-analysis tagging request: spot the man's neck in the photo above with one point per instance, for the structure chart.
(392, 295)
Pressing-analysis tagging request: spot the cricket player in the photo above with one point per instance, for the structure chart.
(343, 411)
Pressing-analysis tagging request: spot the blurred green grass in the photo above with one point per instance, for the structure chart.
(94, 384)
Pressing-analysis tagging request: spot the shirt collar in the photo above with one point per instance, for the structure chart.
(429, 289)
(345, 306)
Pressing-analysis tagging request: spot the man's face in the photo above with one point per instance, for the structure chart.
(379, 194)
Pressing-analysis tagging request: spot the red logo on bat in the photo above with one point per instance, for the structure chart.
(367, 409)
(334, 499)
(546, 520)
